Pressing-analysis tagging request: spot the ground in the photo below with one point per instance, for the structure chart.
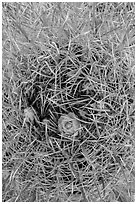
(68, 59)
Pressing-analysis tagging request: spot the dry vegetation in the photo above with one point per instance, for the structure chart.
(61, 58)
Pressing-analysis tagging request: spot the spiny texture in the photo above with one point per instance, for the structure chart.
(68, 62)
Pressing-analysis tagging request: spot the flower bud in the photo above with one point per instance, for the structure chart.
(68, 125)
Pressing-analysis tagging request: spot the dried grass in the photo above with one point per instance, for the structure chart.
(60, 58)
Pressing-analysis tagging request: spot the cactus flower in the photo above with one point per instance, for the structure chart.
(68, 125)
